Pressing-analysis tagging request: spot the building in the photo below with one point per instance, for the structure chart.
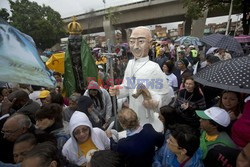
(160, 32)
(221, 28)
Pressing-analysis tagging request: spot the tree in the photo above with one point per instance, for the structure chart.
(195, 8)
(42, 23)
(246, 17)
(111, 14)
(4, 14)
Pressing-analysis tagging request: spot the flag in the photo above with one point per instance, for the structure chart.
(89, 69)
(56, 62)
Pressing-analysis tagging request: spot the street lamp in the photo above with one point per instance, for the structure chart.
(229, 17)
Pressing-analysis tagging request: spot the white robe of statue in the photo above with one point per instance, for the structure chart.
(150, 74)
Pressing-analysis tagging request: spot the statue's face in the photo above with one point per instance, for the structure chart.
(140, 42)
(75, 42)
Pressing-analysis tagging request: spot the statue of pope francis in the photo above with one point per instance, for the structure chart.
(141, 70)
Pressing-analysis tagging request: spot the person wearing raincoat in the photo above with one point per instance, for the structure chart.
(102, 101)
(84, 140)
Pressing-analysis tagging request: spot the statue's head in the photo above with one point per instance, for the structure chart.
(140, 42)
(75, 37)
(75, 42)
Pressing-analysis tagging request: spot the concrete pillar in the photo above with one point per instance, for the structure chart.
(198, 26)
(109, 30)
(187, 26)
(124, 35)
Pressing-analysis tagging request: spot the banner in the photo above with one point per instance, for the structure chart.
(19, 59)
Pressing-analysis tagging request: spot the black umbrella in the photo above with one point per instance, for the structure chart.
(233, 75)
(223, 41)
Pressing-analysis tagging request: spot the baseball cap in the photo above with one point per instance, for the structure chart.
(43, 94)
(191, 46)
(216, 114)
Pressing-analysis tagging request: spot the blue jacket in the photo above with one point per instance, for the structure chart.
(165, 158)
(8, 165)
(139, 149)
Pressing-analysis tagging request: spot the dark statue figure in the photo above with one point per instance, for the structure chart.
(79, 64)
(74, 46)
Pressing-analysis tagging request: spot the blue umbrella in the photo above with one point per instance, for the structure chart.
(19, 59)
(223, 41)
(189, 40)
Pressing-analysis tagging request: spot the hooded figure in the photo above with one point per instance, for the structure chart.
(84, 140)
(86, 105)
(101, 99)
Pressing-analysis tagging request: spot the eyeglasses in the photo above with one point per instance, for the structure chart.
(79, 131)
(9, 132)
(139, 40)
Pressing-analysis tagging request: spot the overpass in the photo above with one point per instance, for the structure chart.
(132, 15)
(148, 12)
(135, 14)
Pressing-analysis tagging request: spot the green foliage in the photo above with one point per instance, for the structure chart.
(4, 14)
(111, 14)
(42, 23)
(195, 8)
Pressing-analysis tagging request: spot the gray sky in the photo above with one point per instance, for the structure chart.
(74, 7)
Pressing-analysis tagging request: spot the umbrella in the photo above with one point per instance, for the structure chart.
(125, 45)
(223, 41)
(167, 39)
(56, 62)
(47, 53)
(232, 74)
(243, 39)
(189, 40)
(97, 49)
(44, 58)
(211, 50)
(19, 59)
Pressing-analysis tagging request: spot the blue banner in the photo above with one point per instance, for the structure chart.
(19, 59)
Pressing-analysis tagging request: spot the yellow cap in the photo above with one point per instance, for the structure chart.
(44, 94)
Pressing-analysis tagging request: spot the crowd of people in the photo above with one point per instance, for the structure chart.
(202, 126)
